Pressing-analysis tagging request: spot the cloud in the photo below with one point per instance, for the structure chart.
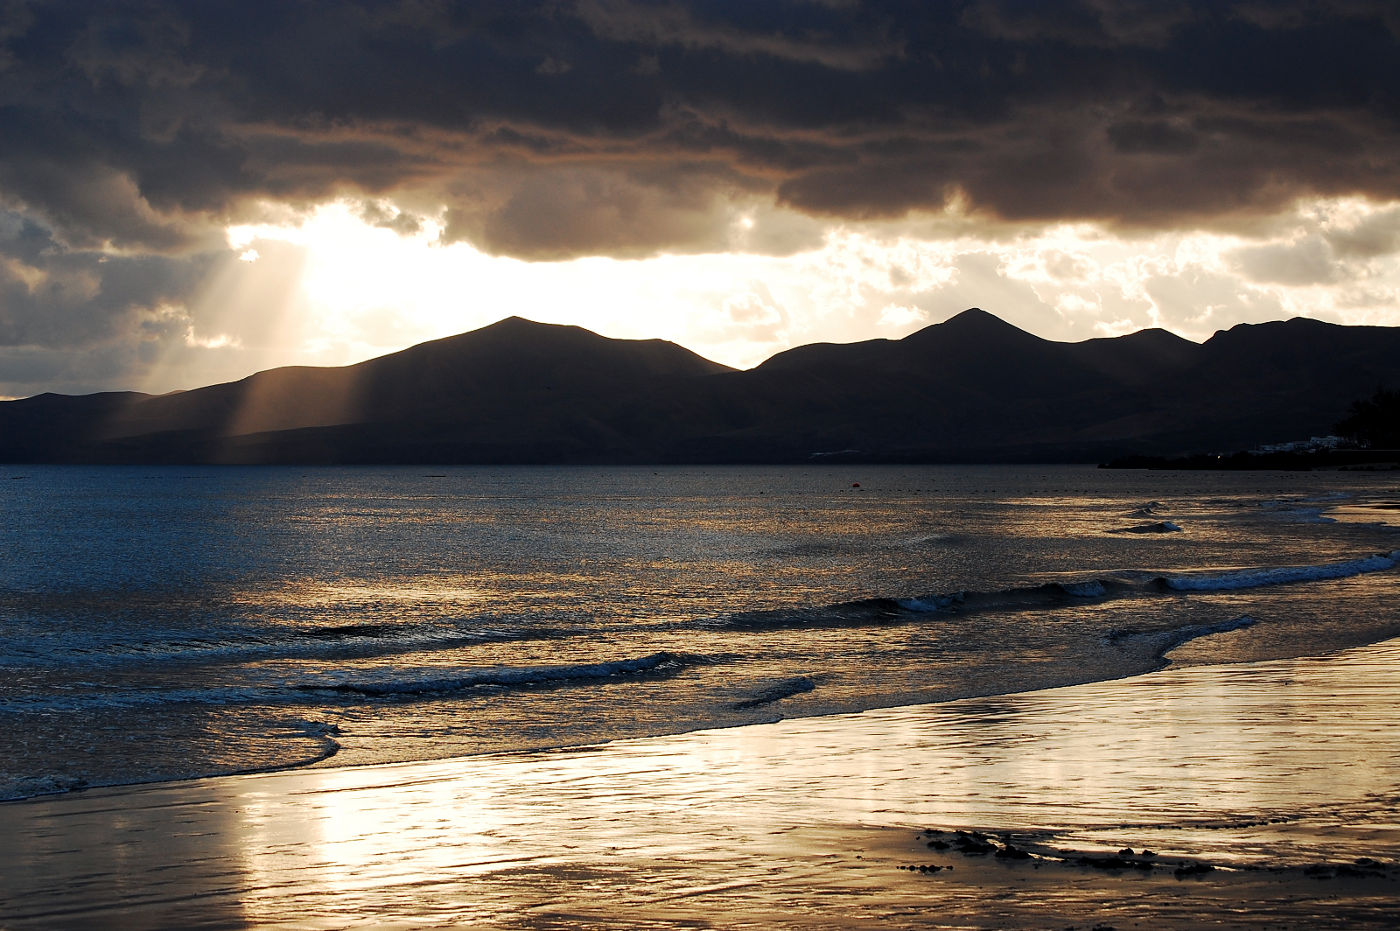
(1092, 23)
(754, 317)
(389, 217)
(982, 279)
(1197, 299)
(51, 296)
(1370, 237)
(541, 214)
(136, 132)
(1310, 261)
(30, 370)
(145, 126)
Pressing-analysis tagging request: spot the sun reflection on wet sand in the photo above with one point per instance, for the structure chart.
(1266, 765)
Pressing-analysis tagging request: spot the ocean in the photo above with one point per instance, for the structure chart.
(171, 623)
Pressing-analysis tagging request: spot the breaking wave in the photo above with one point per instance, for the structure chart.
(1047, 596)
(508, 677)
(1281, 575)
(237, 643)
(395, 683)
(376, 638)
(871, 611)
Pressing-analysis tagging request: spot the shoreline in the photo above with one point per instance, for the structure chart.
(332, 753)
(1261, 771)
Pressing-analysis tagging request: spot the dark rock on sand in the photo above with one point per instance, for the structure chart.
(974, 845)
(1107, 863)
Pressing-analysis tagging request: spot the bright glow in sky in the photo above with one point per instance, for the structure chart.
(333, 289)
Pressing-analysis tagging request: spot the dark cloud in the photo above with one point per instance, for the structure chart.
(52, 296)
(1153, 137)
(621, 210)
(136, 131)
(146, 125)
(30, 370)
(389, 217)
(1090, 23)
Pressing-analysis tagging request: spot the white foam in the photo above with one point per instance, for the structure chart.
(1255, 578)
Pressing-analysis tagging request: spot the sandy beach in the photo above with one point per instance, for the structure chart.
(1265, 792)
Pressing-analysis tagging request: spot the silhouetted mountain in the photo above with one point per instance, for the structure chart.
(973, 388)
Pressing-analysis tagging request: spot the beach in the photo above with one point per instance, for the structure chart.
(817, 464)
(1265, 792)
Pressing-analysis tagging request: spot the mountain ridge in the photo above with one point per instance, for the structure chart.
(971, 388)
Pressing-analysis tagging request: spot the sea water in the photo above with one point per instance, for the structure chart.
(163, 623)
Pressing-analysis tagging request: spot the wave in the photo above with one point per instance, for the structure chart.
(371, 638)
(1196, 631)
(1305, 510)
(1161, 526)
(323, 733)
(1170, 639)
(1046, 596)
(785, 688)
(236, 643)
(392, 684)
(1281, 575)
(509, 677)
(871, 611)
(1304, 516)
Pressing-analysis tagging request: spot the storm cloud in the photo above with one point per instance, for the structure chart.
(619, 127)
(139, 131)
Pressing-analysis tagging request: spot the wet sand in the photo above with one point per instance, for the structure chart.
(1268, 794)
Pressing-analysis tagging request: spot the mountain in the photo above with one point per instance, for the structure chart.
(973, 388)
(515, 390)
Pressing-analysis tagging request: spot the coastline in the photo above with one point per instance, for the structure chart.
(1310, 460)
(1280, 775)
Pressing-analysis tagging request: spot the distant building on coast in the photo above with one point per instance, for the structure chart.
(1312, 444)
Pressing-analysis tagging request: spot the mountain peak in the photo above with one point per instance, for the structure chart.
(517, 326)
(514, 344)
(973, 326)
(977, 320)
(517, 322)
(973, 315)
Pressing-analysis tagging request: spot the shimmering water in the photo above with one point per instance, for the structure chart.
(1261, 770)
(168, 622)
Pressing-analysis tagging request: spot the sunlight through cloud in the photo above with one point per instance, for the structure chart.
(363, 288)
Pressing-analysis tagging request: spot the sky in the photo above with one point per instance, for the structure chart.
(191, 192)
